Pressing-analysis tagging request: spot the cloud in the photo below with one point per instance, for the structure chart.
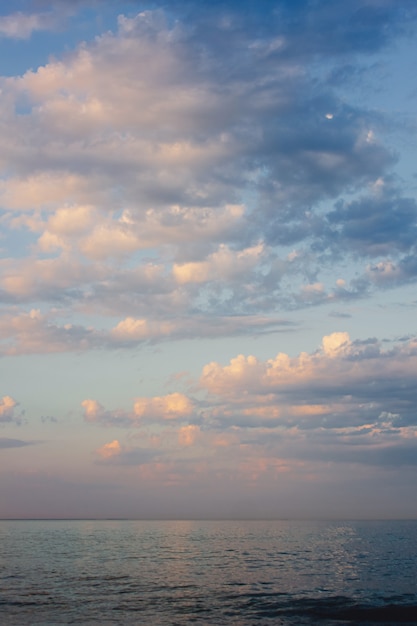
(46, 279)
(21, 25)
(188, 435)
(94, 412)
(50, 189)
(375, 226)
(351, 387)
(174, 406)
(193, 149)
(110, 450)
(8, 410)
(347, 402)
(140, 329)
(388, 272)
(114, 453)
(334, 344)
(33, 332)
(344, 385)
(340, 314)
(12, 443)
(222, 265)
(184, 198)
(177, 190)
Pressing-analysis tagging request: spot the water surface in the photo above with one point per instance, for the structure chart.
(180, 573)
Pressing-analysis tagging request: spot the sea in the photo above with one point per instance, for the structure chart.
(237, 573)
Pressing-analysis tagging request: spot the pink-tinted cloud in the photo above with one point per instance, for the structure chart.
(174, 406)
(114, 453)
(344, 394)
(353, 388)
(33, 333)
(8, 408)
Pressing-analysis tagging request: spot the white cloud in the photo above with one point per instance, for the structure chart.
(21, 25)
(333, 344)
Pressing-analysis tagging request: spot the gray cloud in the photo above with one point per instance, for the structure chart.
(375, 226)
(13, 443)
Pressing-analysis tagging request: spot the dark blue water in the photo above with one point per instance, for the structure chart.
(238, 573)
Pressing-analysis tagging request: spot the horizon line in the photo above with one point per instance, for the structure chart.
(209, 519)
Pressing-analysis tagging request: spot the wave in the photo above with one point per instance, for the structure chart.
(340, 609)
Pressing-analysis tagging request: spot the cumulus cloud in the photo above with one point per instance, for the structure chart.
(8, 409)
(174, 406)
(96, 413)
(353, 386)
(109, 450)
(114, 453)
(344, 385)
(140, 329)
(348, 401)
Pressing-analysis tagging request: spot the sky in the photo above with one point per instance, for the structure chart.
(208, 259)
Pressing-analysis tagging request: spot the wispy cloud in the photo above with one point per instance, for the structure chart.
(21, 25)
(12, 443)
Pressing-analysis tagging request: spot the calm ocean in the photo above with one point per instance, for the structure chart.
(217, 573)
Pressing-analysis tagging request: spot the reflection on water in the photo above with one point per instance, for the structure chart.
(128, 572)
